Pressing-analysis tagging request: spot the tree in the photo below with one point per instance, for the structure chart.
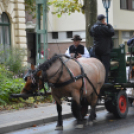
(88, 7)
(30, 7)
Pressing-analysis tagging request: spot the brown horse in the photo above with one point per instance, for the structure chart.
(68, 79)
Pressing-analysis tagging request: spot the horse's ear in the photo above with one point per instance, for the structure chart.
(39, 74)
(32, 67)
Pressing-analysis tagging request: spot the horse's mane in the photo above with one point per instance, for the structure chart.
(46, 65)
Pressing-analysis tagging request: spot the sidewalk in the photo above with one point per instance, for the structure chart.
(27, 118)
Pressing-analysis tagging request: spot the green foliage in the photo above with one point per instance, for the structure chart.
(66, 6)
(30, 7)
(14, 59)
(61, 6)
(10, 64)
(8, 85)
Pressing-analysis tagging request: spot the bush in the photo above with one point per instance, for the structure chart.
(13, 59)
(10, 68)
(8, 85)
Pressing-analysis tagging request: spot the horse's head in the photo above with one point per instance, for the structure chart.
(31, 85)
(50, 71)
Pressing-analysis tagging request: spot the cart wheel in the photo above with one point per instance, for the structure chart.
(74, 108)
(121, 105)
(109, 106)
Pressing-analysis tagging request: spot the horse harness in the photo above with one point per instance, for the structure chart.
(73, 78)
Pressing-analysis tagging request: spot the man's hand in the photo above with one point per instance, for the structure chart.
(105, 23)
(72, 55)
(79, 55)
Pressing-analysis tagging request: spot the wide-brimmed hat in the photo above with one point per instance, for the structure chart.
(76, 37)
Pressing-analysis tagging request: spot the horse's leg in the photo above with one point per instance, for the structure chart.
(92, 115)
(76, 97)
(60, 121)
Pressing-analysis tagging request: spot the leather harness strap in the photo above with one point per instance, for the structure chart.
(73, 79)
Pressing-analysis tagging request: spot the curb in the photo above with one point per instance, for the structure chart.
(28, 124)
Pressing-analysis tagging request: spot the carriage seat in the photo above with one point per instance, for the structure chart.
(114, 65)
(114, 62)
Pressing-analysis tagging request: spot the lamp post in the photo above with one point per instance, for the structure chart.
(106, 4)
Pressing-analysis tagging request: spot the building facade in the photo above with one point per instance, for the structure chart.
(12, 23)
(61, 30)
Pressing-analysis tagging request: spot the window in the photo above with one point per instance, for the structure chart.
(123, 4)
(127, 4)
(5, 36)
(69, 34)
(54, 35)
(133, 4)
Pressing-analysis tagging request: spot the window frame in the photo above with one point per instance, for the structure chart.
(126, 5)
(8, 25)
(69, 32)
(132, 7)
(55, 36)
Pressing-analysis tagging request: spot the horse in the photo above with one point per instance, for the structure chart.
(81, 78)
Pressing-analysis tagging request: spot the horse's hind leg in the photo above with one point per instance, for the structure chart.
(59, 125)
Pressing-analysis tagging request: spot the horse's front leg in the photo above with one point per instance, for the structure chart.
(92, 116)
(79, 119)
(76, 97)
(60, 121)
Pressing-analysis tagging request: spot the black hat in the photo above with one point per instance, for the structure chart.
(76, 37)
(100, 17)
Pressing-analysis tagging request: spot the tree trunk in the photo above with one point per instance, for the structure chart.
(90, 9)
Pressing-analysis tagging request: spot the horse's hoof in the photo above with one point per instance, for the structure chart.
(89, 123)
(59, 128)
(94, 121)
(79, 126)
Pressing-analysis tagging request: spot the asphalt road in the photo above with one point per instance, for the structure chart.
(105, 123)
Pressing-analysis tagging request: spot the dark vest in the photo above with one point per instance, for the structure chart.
(79, 49)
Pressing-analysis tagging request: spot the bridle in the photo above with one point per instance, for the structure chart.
(44, 76)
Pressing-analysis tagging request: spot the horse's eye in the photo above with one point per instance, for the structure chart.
(33, 85)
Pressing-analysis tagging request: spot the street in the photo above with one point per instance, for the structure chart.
(105, 123)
